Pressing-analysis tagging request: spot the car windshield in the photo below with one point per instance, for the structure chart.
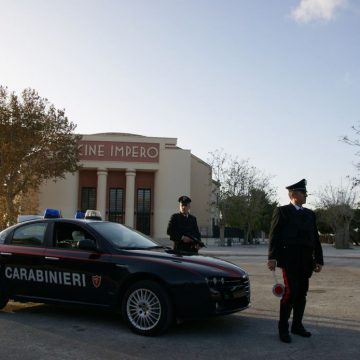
(122, 236)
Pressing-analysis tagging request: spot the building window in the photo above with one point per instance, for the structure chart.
(88, 198)
(143, 211)
(116, 205)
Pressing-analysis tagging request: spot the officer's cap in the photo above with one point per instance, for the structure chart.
(184, 200)
(301, 185)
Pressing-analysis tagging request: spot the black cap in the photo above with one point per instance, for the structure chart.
(184, 199)
(301, 185)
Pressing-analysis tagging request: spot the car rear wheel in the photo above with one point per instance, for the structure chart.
(146, 308)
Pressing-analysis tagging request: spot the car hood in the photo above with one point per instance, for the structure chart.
(200, 263)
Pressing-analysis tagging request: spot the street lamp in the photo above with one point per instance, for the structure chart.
(222, 229)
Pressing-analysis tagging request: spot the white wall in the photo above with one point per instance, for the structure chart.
(62, 195)
(171, 181)
(201, 186)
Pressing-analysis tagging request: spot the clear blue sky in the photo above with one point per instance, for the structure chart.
(272, 81)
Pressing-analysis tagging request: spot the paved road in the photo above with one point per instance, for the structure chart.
(30, 332)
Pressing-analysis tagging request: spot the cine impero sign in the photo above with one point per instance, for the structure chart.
(118, 151)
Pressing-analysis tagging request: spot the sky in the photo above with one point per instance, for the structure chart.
(273, 82)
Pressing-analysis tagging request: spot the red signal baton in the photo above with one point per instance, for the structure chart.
(278, 288)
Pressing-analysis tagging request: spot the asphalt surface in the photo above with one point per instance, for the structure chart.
(44, 332)
(261, 250)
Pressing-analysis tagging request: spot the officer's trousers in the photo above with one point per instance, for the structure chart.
(294, 298)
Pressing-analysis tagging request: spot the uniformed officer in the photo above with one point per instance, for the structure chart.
(183, 229)
(294, 247)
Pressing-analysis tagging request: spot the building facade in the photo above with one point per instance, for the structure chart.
(134, 180)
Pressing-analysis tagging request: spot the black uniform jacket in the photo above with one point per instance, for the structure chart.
(180, 225)
(294, 239)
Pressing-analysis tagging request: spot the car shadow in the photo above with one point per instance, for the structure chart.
(249, 334)
(48, 312)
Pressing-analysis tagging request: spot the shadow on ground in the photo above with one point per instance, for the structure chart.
(36, 331)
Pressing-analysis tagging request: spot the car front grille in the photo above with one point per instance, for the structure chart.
(230, 294)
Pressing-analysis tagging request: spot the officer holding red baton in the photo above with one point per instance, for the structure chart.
(295, 247)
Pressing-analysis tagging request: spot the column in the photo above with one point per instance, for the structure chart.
(130, 197)
(75, 195)
(101, 191)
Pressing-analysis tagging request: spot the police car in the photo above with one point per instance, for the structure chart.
(108, 265)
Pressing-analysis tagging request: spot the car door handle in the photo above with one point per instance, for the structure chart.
(5, 253)
(51, 258)
(121, 266)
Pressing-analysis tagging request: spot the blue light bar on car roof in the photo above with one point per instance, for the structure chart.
(79, 214)
(52, 214)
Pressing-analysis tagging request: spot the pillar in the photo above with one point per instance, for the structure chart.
(130, 197)
(101, 191)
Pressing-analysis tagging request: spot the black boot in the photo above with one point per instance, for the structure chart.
(285, 311)
(297, 327)
(284, 335)
(300, 330)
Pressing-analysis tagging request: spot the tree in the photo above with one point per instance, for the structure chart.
(337, 206)
(245, 193)
(36, 143)
(323, 222)
(355, 228)
(354, 142)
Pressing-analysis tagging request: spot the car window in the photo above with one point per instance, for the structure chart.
(122, 236)
(3, 235)
(68, 235)
(29, 235)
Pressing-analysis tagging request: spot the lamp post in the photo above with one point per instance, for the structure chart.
(222, 229)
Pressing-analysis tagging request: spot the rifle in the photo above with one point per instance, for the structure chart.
(196, 241)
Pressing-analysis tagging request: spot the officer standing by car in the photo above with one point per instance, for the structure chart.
(294, 247)
(183, 229)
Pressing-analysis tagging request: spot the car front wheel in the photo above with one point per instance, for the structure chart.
(146, 308)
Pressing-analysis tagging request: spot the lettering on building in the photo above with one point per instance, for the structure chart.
(118, 151)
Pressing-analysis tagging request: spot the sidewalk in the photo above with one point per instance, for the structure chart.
(261, 250)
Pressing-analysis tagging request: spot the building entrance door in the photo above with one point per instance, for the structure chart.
(143, 211)
(116, 205)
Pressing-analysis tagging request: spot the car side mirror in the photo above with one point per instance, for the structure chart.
(87, 244)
